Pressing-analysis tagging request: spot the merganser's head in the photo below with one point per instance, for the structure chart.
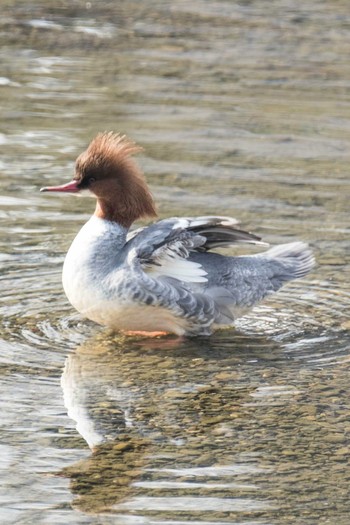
(107, 170)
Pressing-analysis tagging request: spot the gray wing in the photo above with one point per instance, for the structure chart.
(159, 258)
(217, 231)
(165, 247)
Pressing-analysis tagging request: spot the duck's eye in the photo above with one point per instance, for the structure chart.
(92, 180)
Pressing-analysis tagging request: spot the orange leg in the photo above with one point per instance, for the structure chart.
(143, 333)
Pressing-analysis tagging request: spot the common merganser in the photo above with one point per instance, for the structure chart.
(162, 277)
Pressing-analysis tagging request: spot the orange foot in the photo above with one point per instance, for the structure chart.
(143, 333)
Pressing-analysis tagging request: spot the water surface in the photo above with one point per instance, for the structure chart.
(242, 109)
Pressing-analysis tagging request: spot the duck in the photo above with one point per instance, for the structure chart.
(167, 277)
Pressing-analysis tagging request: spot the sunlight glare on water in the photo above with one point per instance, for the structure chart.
(242, 109)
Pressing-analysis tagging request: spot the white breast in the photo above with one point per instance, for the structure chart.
(92, 256)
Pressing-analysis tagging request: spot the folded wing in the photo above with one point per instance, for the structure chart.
(163, 248)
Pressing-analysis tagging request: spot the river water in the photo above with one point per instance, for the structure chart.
(242, 108)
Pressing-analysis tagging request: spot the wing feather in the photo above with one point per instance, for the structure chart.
(163, 249)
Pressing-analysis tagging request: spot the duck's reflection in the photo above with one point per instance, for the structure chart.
(149, 404)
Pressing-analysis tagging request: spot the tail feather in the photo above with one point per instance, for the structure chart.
(296, 259)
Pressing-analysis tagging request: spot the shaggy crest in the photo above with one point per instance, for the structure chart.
(108, 150)
(113, 145)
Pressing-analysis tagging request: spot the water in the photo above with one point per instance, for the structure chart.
(242, 109)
